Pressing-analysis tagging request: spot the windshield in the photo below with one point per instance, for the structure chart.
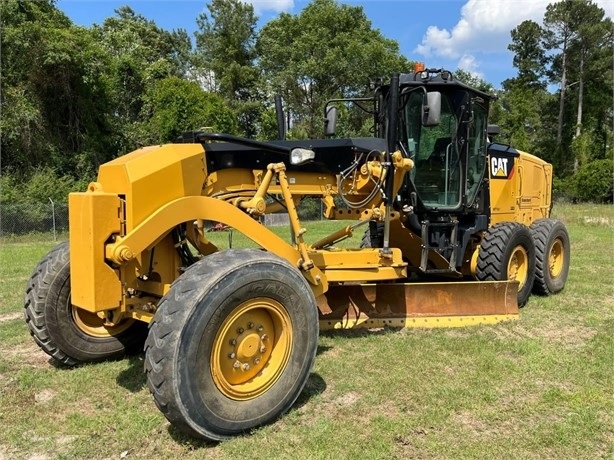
(436, 173)
(449, 159)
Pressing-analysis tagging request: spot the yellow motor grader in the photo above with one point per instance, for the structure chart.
(456, 231)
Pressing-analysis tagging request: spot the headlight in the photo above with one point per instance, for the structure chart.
(299, 156)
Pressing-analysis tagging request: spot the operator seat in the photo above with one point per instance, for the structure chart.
(430, 174)
(438, 155)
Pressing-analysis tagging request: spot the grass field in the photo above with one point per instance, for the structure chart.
(540, 387)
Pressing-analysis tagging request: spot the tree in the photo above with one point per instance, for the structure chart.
(522, 119)
(474, 81)
(594, 35)
(178, 105)
(583, 38)
(52, 91)
(594, 181)
(524, 95)
(560, 25)
(574, 50)
(328, 50)
(140, 54)
(529, 56)
(225, 45)
(225, 56)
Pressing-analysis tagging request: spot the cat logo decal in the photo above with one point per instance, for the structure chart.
(501, 167)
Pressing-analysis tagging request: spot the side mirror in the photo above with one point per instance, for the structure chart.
(330, 122)
(493, 130)
(431, 109)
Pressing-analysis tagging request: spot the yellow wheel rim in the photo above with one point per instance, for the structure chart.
(555, 259)
(95, 326)
(251, 348)
(518, 266)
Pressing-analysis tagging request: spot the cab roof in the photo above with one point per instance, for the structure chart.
(436, 80)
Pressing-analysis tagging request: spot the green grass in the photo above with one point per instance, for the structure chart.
(17, 260)
(316, 230)
(539, 387)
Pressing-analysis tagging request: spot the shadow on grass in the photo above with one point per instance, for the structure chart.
(315, 385)
(133, 378)
(322, 349)
(189, 442)
(360, 332)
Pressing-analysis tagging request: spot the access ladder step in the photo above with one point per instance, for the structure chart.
(427, 230)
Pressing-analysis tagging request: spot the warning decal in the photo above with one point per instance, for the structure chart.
(501, 167)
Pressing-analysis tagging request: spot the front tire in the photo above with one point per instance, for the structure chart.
(552, 254)
(232, 343)
(68, 334)
(507, 252)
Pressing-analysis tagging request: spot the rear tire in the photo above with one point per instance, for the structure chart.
(507, 252)
(232, 343)
(552, 255)
(373, 236)
(68, 334)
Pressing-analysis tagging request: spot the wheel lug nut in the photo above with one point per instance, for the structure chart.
(262, 349)
(260, 328)
(233, 342)
(250, 325)
(232, 355)
(236, 365)
(256, 361)
(264, 337)
(245, 367)
(240, 330)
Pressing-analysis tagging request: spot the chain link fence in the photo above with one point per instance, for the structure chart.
(49, 220)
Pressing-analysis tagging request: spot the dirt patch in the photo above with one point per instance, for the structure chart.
(405, 447)
(44, 396)
(88, 407)
(347, 399)
(605, 221)
(332, 406)
(569, 337)
(27, 354)
(10, 317)
(470, 422)
(38, 456)
(510, 401)
(517, 331)
(19, 279)
(482, 428)
(4, 453)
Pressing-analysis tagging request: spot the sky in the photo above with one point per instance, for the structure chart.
(469, 34)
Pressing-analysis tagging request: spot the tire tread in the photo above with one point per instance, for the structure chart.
(492, 265)
(165, 331)
(541, 231)
(37, 290)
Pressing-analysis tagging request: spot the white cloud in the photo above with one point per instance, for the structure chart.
(607, 6)
(470, 64)
(484, 28)
(271, 5)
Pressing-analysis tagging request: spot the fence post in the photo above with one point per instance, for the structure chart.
(53, 218)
